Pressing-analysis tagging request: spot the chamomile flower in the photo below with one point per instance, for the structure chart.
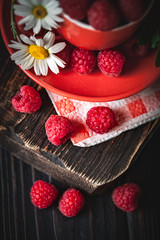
(38, 14)
(38, 53)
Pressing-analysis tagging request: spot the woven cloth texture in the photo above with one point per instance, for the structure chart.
(130, 113)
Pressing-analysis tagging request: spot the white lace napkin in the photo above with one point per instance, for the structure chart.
(130, 113)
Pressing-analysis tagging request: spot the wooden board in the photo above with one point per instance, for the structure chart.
(90, 169)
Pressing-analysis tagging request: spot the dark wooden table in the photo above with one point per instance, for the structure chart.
(25, 158)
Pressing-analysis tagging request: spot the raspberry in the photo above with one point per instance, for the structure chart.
(103, 15)
(59, 129)
(82, 61)
(132, 10)
(43, 194)
(71, 202)
(132, 47)
(100, 119)
(110, 62)
(126, 196)
(75, 9)
(27, 100)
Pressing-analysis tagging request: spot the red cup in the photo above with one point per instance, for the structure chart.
(84, 36)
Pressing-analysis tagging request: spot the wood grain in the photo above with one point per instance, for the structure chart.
(99, 219)
(90, 169)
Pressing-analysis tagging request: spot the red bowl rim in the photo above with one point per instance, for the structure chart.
(119, 28)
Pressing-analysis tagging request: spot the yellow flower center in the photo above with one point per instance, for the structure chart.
(38, 52)
(39, 11)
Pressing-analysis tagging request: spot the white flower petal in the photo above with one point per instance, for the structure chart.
(39, 42)
(36, 2)
(52, 5)
(56, 11)
(21, 10)
(43, 67)
(56, 18)
(45, 2)
(30, 24)
(26, 39)
(37, 27)
(58, 61)
(36, 67)
(52, 65)
(17, 45)
(33, 38)
(28, 63)
(57, 47)
(21, 14)
(51, 22)
(20, 60)
(45, 25)
(48, 39)
(26, 20)
(25, 3)
(19, 54)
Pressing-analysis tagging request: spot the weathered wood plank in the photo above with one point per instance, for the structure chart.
(24, 135)
(99, 219)
(94, 166)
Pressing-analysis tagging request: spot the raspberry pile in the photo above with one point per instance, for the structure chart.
(104, 14)
(126, 196)
(75, 9)
(110, 62)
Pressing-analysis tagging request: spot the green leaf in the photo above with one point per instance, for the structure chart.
(155, 40)
(157, 59)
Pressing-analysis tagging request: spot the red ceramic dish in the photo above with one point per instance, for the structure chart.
(84, 36)
(96, 86)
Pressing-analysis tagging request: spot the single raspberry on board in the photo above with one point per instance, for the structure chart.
(43, 194)
(103, 15)
(82, 61)
(74, 8)
(59, 129)
(132, 10)
(71, 202)
(26, 100)
(100, 119)
(126, 196)
(110, 62)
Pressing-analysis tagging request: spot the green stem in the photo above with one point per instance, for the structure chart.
(13, 25)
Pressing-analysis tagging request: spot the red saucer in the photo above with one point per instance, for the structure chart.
(136, 76)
